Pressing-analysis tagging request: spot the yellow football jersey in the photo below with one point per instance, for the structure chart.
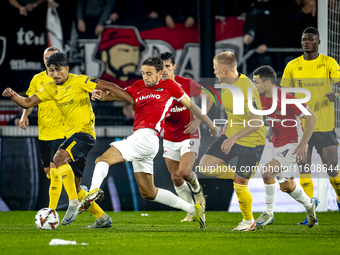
(50, 122)
(235, 122)
(73, 101)
(316, 76)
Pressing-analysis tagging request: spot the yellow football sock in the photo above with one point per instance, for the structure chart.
(48, 175)
(221, 172)
(335, 181)
(67, 177)
(245, 200)
(94, 207)
(55, 188)
(306, 183)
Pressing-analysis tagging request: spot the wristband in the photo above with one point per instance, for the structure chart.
(338, 95)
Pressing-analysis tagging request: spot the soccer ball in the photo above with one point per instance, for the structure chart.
(47, 219)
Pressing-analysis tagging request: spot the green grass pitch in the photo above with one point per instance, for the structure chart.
(163, 233)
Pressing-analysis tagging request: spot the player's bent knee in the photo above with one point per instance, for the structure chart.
(283, 189)
(332, 173)
(101, 159)
(61, 158)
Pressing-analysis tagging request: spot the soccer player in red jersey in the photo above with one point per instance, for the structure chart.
(182, 137)
(153, 99)
(290, 147)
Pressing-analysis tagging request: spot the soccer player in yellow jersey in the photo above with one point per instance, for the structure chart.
(70, 93)
(52, 131)
(241, 141)
(316, 73)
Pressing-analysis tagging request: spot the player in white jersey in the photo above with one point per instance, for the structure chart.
(290, 146)
(181, 139)
(153, 100)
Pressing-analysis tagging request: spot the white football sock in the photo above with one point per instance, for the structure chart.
(249, 221)
(194, 184)
(184, 192)
(270, 195)
(300, 195)
(100, 172)
(165, 197)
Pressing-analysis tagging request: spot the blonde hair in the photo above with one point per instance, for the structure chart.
(226, 58)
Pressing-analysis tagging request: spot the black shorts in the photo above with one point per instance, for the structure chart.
(243, 159)
(48, 149)
(321, 140)
(78, 147)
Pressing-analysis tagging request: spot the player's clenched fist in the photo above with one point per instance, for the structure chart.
(96, 94)
(8, 92)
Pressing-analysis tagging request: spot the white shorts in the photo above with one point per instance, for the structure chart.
(175, 150)
(140, 148)
(288, 161)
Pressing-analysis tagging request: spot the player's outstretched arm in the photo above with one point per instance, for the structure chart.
(105, 95)
(117, 91)
(301, 149)
(24, 102)
(197, 112)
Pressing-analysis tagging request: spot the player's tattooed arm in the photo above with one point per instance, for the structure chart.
(24, 102)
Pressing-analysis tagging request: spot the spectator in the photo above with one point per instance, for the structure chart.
(231, 7)
(178, 11)
(25, 6)
(304, 17)
(129, 114)
(262, 29)
(92, 15)
(67, 11)
(129, 11)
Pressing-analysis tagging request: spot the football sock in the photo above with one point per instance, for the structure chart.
(306, 183)
(194, 184)
(100, 172)
(299, 195)
(245, 200)
(48, 175)
(225, 172)
(165, 197)
(184, 192)
(94, 207)
(335, 181)
(67, 176)
(270, 195)
(55, 188)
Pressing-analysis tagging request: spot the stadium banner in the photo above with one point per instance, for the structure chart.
(22, 42)
(117, 55)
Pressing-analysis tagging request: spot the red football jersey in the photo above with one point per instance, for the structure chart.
(152, 104)
(180, 116)
(288, 131)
